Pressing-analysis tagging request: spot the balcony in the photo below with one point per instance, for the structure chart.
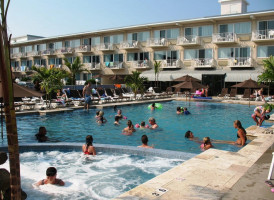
(224, 38)
(203, 63)
(263, 35)
(190, 40)
(130, 45)
(105, 47)
(92, 66)
(47, 52)
(171, 64)
(64, 50)
(82, 49)
(240, 62)
(140, 64)
(157, 42)
(15, 55)
(115, 65)
(22, 55)
(33, 53)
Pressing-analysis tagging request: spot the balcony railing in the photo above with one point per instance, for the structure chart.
(92, 66)
(171, 63)
(130, 45)
(105, 47)
(203, 63)
(263, 35)
(140, 64)
(15, 55)
(33, 53)
(64, 50)
(240, 62)
(115, 65)
(22, 55)
(47, 52)
(220, 38)
(157, 42)
(82, 48)
(188, 40)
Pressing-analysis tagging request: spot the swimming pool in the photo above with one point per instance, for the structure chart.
(207, 119)
(104, 176)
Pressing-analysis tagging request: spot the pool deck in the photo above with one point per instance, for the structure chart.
(209, 175)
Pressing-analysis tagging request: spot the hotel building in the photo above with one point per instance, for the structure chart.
(219, 50)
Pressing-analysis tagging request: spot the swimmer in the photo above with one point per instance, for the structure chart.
(88, 148)
(152, 106)
(97, 114)
(129, 129)
(41, 135)
(116, 118)
(119, 114)
(241, 133)
(101, 119)
(207, 144)
(179, 111)
(190, 136)
(152, 122)
(259, 112)
(51, 178)
(143, 125)
(144, 140)
(186, 112)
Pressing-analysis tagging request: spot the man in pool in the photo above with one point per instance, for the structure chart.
(152, 122)
(41, 135)
(51, 178)
(87, 95)
(144, 139)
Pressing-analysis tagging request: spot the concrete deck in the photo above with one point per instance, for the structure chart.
(209, 175)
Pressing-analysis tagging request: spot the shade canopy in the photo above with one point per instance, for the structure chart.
(21, 91)
(187, 78)
(189, 85)
(249, 84)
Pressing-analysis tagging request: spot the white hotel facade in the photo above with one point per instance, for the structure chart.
(226, 48)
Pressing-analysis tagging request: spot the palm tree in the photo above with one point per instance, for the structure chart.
(268, 74)
(50, 79)
(74, 68)
(157, 70)
(7, 87)
(135, 82)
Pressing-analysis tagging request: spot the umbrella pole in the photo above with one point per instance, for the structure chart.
(249, 98)
(2, 130)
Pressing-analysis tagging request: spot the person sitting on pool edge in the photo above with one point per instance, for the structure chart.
(51, 178)
(41, 135)
(241, 133)
(206, 144)
(129, 129)
(144, 140)
(260, 113)
(152, 122)
(88, 148)
(116, 118)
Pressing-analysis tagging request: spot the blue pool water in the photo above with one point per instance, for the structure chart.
(207, 119)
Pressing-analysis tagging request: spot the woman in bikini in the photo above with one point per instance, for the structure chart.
(88, 148)
(241, 133)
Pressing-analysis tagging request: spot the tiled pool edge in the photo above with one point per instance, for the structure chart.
(208, 175)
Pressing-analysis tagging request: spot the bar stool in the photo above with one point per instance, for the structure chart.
(271, 167)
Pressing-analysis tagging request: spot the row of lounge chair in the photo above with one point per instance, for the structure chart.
(233, 92)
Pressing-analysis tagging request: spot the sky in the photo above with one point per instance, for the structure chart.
(60, 17)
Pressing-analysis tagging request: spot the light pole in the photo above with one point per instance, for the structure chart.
(96, 80)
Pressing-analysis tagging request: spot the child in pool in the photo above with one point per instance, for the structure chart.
(51, 178)
(143, 125)
(179, 111)
(152, 106)
(186, 112)
(145, 141)
(117, 118)
(207, 144)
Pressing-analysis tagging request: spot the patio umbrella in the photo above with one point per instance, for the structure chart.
(117, 77)
(249, 84)
(189, 85)
(187, 78)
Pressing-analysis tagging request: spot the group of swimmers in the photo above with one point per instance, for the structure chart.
(182, 110)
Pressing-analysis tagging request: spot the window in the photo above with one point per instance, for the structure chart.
(44, 62)
(202, 31)
(265, 51)
(137, 56)
(113, 58)
(239, 28)
(14, 64)
(234, 52)
(169, 34)
(22, 49)
(28, 48)
(118, 58)
(71, 59)
(40, 47)
(96, 59)
(51, 61)
(141, 36)
(86, 41)
(57, 45)
(95, 41)
(108, 58)
(117, 39)
(265, 25)
(29, 63)
(15, 50)
(190, 54)
(72, 43)
(166, 55)
(87, 59)
(51, 46)
(23, 62)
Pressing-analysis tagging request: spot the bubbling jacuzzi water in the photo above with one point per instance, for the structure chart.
(104, 176)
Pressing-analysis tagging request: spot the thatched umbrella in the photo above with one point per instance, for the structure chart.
(249, 84)
(187, 78)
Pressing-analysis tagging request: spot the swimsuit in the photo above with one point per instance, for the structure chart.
(239, 136)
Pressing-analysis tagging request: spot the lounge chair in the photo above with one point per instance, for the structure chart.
(247, 95)
(232, 94)
(102, 95)
(119, 92)
(110, 94)
(224, 93)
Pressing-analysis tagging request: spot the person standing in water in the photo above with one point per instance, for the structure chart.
(88, 148)
(87, 95)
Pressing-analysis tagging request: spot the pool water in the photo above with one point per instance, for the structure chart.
(104, 176)
(214, 120)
